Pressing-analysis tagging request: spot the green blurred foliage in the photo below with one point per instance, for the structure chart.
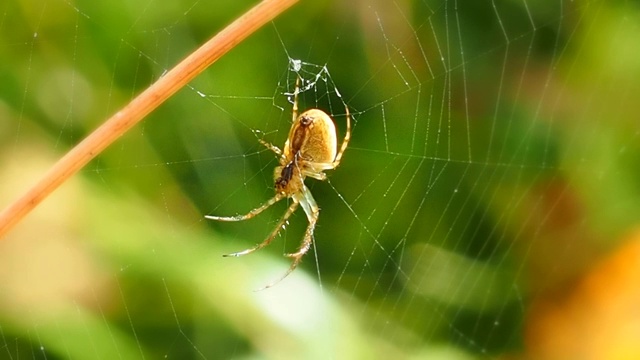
(490, 144)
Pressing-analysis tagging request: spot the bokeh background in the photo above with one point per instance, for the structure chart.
(488, 205)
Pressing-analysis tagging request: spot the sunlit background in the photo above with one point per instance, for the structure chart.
(488, 205)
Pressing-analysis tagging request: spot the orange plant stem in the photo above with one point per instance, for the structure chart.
(141, 106)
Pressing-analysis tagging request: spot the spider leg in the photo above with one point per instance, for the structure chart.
(295, 100)
(291, 268)
(345, 142)
(311, 209)
(306, 242)
(313, 212)
(250, 214)
(302, 250)
(272, 236)
(271, 147)
(316, 175)
(314, 170)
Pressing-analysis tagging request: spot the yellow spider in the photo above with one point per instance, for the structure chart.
(310, 149)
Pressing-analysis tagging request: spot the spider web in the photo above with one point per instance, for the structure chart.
(493, 160)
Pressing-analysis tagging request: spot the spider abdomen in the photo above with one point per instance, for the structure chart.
(312, 138)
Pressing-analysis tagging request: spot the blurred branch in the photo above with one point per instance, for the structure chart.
(141, 106)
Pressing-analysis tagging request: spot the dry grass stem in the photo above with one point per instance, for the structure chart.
(141, 106)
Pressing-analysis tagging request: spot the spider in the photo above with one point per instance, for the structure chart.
(310, 149)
